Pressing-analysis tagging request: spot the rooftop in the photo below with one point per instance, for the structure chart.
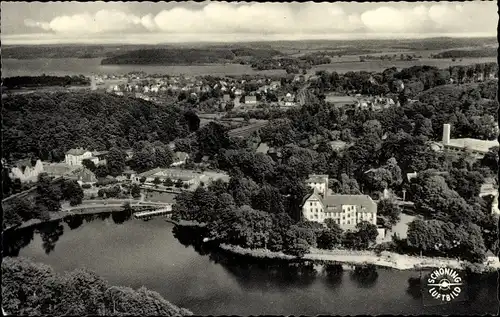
(340, 200)
(473, 144)
(317, 178)
(263, 148)
(79, 151)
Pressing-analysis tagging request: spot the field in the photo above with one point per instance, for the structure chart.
(379, 66)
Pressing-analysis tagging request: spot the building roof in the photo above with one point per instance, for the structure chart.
(473, 144)
(357, 200)
(180, 156)
(340, 200)
(338, 145)
(317, 178)
(85, 175)
(99, 153)
(79, 151)
(263, 148)
(250, 98)
(168, 172)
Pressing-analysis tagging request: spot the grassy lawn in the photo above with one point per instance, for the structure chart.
(400, 228)
(159, 197)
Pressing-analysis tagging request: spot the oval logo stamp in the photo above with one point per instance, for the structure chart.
(444, 285)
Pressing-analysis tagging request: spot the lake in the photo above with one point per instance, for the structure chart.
(76, 66)
(136, 253)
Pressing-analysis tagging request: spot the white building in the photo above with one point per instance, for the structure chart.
(476, 148)
(318, 182)
(74, 157)
(346, 210)
(180, 158)
(25, 171)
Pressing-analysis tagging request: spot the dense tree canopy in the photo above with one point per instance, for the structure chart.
(46, 125)
(35, 289)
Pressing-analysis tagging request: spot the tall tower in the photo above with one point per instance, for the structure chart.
(446, 133)
(93, 85)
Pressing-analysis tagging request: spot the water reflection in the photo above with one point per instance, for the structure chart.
(414, 288)
(365, 276)
(14, 240)
(74, 222)
(334, 274)
(50, 233)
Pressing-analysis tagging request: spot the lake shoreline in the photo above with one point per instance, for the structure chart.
(385, 259)
(59, 215)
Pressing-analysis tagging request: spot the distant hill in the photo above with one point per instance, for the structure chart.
(46, 125)
(471, 53)
(187, 56)
(44, 81)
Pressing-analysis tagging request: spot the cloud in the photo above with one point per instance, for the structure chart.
(280, 18)
(35, 24)
(442, 17)
(101, 22)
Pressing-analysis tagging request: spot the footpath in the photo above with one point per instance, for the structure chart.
(385, 259)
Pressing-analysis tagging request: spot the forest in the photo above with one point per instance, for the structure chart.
(30, 288)
(46, 125)
(44, 81)
(186, 56)
(458, 53)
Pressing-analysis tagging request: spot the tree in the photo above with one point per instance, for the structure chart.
(168, 182)
(89, 164)
(72, 191)
(331, 237)
(143, 179)
(268, 199)
(466, 183)
(367, 233)
(295, 241)
(378, 179)
(157, 181)
(389, 210)
(135, 191)
(35, 289)
(48, 195)
(115, 161)
(179, 183)
(101, 171)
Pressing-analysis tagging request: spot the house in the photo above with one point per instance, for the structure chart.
(26, 171)
(101, 156)
(476, 148)
(318, 182)
(180, 158)
(288, 100)
(84, 176)
(250, 100)
(410, 176)
(226, 98)
(338, 145)
(346, 210)
(262, 148)
(275, 85)
(187, 176)
(74, 157)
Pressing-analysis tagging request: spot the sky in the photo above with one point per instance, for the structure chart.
(157, 22)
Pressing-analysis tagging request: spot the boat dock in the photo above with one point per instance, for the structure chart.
(166, 211)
